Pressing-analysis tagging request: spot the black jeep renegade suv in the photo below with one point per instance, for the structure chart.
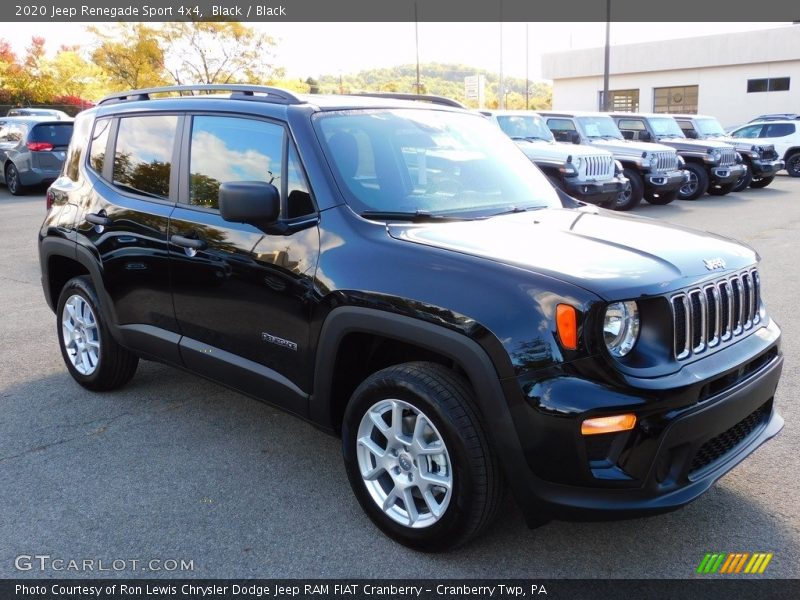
(400, 274)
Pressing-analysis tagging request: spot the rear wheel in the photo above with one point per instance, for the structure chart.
(93, 357)
(632, 195)
(13, 181)
(793, 165)
(761, 182)
(744, 180)
(722, 189)
(697, 184)
(418, 458)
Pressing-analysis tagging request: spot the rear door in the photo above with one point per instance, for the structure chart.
(48, 143)
(243, 294)
(124, 222)
(782, 135)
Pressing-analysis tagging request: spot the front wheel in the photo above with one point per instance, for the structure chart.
(745, 180)
(418, 458)
(761, 182)
(94, 359)
(632, 195)
(793, 165)
(697, 184)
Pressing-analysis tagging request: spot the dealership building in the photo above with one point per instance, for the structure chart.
(734, 77)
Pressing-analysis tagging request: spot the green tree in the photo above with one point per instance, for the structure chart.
(73, 75)
(217, 52)
(130, 55)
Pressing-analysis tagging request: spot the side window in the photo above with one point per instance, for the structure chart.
(232, 149)
(777, 130)
(97, 151)
(562, 129)
(751, 131)
(77, 146)
(632, 124)
(143, 154)
(12, 133)
(685, 126)
(298, 198)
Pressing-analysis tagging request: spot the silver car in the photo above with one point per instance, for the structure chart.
(32, 150)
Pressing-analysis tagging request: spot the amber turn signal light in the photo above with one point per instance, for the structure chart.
(610, 424)
(567, 326)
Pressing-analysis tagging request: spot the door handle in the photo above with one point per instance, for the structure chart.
(185, 242)
(99, 219)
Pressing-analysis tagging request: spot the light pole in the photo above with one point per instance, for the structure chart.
(416, 41)
(607, 56)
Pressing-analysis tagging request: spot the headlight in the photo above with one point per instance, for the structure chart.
(621, 327)
(714, 155)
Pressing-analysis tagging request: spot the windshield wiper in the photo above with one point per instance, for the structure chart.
(418, 216)
(517, 209)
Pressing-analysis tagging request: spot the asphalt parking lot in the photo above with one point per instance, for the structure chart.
(175, 468)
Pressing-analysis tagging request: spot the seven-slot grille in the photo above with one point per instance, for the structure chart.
(666, 161)
(597, 167)
(705, 316)
(768, 153)
(728, 158)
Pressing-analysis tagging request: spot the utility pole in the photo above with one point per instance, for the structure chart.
(501, 88)
(416, 38)
(527, 82)
(606, 104)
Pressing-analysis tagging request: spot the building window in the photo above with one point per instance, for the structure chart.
(681, 99)
(621, 100)
(773, 84)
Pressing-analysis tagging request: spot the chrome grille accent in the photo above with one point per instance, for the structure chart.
(705, 317)
(597, 167)
(666, 161)
(728, 158)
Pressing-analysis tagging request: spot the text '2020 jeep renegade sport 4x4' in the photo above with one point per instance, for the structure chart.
(587, 173)
(654, 171)
(402, 275)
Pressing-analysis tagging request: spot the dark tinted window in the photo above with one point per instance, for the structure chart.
(143, 154)
(298, 198)
(561, 125)
(773, 84)
(232, 149)
(779, 84)
(77, 147)
(757, 85)
(55, 134)
(97, 151)
(777, 130)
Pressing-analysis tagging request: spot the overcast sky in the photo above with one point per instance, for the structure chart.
(311, 49)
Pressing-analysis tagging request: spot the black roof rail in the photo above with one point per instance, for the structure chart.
(433, 99)
(239, 91)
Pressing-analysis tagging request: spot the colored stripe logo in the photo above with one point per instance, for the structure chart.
(736, 562)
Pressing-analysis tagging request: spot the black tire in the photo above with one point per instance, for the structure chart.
(663, 198)
(793, 164)
(722, 189)
(446, 401)
(761, 182)
(115, 365)
(632, 196)
(744, 180)
(698, 184)
(556, 182)
(13, 181)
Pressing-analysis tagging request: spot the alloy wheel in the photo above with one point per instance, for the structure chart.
(81, 334)
(690, 187)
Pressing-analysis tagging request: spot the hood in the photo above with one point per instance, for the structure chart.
(693, 145)
(615, 256)
(538, 150)
(630, 148)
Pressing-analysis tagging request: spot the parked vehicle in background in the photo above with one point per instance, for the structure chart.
(584, 172)
(761, 160)
(39, 112)
(654, 171)
(784, 135)
(714, 167)
(401, 275)
(32, 151)
(776, 117)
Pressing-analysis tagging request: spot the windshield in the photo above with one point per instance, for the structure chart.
(709, 127)
(524, 127)
(429, 162)
(666, 126)
(599, 127)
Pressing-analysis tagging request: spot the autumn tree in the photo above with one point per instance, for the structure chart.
(75, 76)
(217, 52)
(130, 55)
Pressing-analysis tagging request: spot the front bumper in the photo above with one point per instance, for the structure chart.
(692, 428)
(595, 192)
(725, 175)
(665, 181)
(767, 168)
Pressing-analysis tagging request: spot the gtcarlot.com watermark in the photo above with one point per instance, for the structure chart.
(43, 563)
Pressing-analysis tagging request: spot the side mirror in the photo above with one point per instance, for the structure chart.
(690, 133)
(627, 134)
(644, 136)
(254, 202)
(575, 137)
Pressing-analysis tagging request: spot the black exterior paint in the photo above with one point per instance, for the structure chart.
(479, 296)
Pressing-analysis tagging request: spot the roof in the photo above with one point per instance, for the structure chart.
(572, 113)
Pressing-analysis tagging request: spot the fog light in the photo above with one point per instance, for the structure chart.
(610, 424)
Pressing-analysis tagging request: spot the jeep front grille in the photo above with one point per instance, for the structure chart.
(768, 153)
(716, 312)
(728, 158)
(597, 167)
(666, 161)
